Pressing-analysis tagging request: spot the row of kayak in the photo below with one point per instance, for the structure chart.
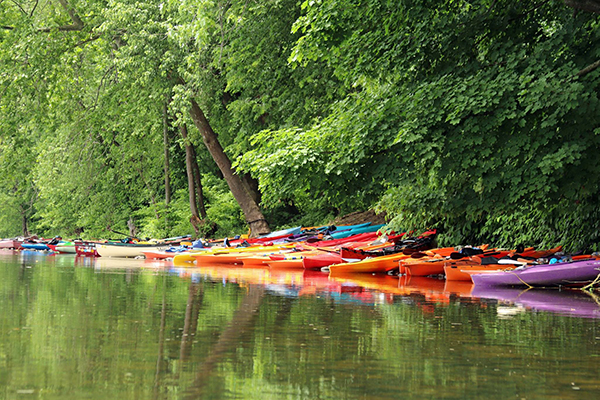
(362, 249)
(482, 266)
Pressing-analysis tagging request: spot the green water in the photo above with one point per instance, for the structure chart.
(75, 328)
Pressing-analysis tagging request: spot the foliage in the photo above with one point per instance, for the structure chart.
(466, 116)
(470, 114)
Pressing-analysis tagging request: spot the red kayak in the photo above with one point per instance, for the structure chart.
(321, 260)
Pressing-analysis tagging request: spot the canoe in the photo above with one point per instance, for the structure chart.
(574, 273)
(127, 249)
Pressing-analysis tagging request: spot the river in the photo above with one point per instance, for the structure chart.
(84, 328)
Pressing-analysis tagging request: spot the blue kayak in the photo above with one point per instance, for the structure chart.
(35, 246)
(349, 232)
(290, 231)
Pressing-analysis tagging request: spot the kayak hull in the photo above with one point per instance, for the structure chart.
(126, 249)
(561, 274)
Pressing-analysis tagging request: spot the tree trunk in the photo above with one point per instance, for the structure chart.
(195, 219)
(132, 228)
(252, 187)
(198, 181)
(24, 226)
(254, 217)
(167, 167)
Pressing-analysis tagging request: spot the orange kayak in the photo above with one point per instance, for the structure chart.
(460, 270)
(429, 266)
(288, 263)
(432, 263)
(386, 263)
(540, 253)
(254, 261)
(370, 265)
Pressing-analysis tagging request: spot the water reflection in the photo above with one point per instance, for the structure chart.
(82, 328)
(567, 302)
(367, 289)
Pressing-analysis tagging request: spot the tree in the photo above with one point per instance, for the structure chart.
(467, 116)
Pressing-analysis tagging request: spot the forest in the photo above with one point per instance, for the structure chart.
(221, 117)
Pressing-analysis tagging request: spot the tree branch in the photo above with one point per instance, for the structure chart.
(585, 5)
(91, 39)
(77, 24)
(33, 9)
(589, 69)
(19, 6)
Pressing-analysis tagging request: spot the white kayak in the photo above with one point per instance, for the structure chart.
(127, 249)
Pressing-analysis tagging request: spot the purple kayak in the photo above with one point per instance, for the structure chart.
(575, 303)
(560, 274)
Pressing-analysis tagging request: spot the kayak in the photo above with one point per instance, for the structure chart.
(284, 232)
(35, 246)
(86, 249)
(126, 249)
(162, 254)
(10, 244)
(361, 237)
(430, 262)
(368, 265)
(287, 263)
(461, 270)
(63, 248)
(386, 263)
(183, 259)
(323, 259)
(576, 273)
(341, 234)
(232, 256)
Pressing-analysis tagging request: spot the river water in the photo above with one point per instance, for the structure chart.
(79, 328)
